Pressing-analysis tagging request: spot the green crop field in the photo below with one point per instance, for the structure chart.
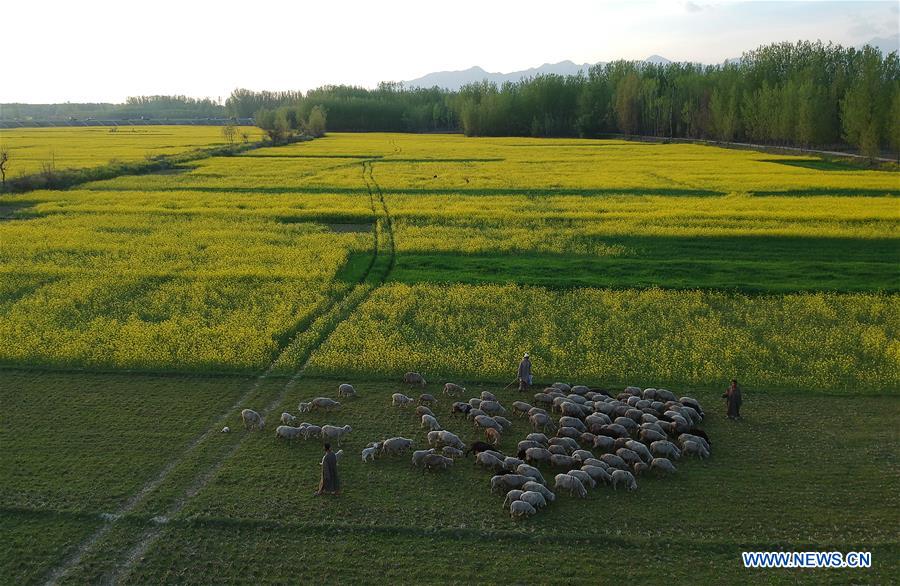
(140, 314)
(30, 149)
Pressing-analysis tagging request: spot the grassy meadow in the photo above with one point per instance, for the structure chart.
(139, 314)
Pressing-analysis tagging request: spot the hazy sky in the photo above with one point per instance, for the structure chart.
(96, 50)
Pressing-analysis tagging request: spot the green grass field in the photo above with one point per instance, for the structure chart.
(139, 314)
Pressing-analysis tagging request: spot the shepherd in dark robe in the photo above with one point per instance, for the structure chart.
(524, 372)
(330, 483)
(733, 400)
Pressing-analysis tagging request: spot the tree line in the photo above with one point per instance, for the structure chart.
(805, 94)
(135, 107)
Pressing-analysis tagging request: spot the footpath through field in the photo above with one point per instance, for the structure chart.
(113, 545)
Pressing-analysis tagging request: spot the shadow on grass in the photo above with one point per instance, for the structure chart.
(834, 191)
(756, 265)
(817, 164)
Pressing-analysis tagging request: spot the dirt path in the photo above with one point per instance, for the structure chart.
(332, 314)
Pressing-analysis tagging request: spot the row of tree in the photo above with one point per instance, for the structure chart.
(388, 108)
(803, 94)
(136, 107)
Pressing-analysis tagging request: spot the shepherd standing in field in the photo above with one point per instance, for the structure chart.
(733, 400)
(524, 372)
(330, 483)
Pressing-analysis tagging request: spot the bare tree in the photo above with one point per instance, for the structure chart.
(229, 132)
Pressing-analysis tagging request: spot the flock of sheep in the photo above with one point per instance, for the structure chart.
(594, 439)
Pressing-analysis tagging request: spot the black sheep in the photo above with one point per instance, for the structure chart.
(463, 408)
(700, 433)
(478, 447)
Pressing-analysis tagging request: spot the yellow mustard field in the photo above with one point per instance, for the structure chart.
(90, 146)
(374, 254)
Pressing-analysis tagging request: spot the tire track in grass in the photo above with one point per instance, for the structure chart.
(331, 315)
(322, 329)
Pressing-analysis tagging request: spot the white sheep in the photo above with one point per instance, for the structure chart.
(510, 464)
(640, 449)
(303, 407)
(692, 448)
(663, 466)
(488, 460)
(566, 421)
(511, 496)
(570, 484)
(521, 509)
(446, 438)
(506, 482)
(396, 446)
(538, 487)
(538, 455)
(488, 396)
(694, 438)
(324, 403)
(521, 408)
(400, 400)
(527, 470)
(310, 430)
(287, 432)
(525, 444)
(535, 499)
(492, 408)
(561, 461)
(453, 390)
(665, 449)
(434, 462)
(584, 477)
(288, 419)
(414, 378)
(419, 455)
(429, 422)
(625, 478)
(252, 419)
(333, 433)
(368, 454)
(614, 461)
(538, 437)
(651, 435)
(346, 390)
(451, 452)
(226, 429)
(541, 422)
(598, 473)
(485, 421)
(423, 410)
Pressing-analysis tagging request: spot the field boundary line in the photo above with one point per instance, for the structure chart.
(152, 534)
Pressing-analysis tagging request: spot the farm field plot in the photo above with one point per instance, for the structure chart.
(264, 279)
(218, 266)
(256, 508)
(71, 148)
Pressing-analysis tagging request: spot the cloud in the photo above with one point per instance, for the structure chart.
(694, 7)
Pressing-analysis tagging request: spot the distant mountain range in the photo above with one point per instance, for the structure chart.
(453, 80)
